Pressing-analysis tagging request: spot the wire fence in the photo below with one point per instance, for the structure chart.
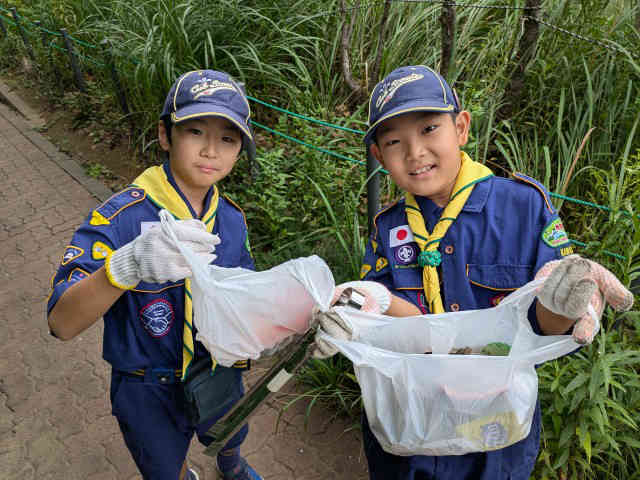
(20, 23)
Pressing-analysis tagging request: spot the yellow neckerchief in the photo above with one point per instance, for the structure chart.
(470, 173)
(160, 191)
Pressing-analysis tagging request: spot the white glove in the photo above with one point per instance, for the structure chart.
(377, 296)
(574, 288)
(331, 323)
(152, 256)
(377, 299)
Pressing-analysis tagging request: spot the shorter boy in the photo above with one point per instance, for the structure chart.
(120, 265)
(462, 239)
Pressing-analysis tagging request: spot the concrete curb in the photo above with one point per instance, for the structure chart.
(11, 99)
(27, 122)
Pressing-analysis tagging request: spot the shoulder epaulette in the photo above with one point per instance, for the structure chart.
(375, 219)
(116, 204)
(537, 185)
(237, 207)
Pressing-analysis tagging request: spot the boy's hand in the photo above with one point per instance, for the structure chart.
(574, 288)
(377, 299)
(331, 323)
(152, 257)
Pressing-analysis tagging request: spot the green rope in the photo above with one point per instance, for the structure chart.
(320, 149)
(589, 204)
(50, 32)
(290, 113)
(607, 252)
(90, 45)
(304, 117)
(90, 59)
(57, 47)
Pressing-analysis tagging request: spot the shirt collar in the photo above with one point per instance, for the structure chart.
(475, 203)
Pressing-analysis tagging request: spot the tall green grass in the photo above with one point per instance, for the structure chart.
(576, 130)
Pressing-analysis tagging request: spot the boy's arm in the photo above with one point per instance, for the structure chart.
(551, 323)
(82, 304)
(399, 307)
(92, 277)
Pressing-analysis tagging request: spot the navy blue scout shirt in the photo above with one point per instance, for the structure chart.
(144, 327)
(504, 234)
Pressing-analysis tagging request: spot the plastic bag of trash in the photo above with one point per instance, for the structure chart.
(445, 404)
(238, 313)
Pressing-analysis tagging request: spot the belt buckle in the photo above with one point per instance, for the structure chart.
(163, 376)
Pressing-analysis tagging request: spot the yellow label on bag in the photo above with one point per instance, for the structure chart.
(493, 432)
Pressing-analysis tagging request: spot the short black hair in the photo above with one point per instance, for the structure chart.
(167, 126)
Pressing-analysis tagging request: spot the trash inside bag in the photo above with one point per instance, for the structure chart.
(238, 313)
(421, 400)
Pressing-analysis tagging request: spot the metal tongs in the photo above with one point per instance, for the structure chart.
(292, 359)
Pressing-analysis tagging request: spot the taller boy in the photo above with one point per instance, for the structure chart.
(120, 264)
(462, 239)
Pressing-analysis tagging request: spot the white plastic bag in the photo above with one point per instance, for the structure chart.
(239, 313)
(442, 404)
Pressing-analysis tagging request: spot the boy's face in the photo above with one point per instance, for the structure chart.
(202, 151)
(421, 151)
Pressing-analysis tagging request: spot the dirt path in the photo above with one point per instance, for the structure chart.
(55, 420)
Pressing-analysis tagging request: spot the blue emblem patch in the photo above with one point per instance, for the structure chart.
(157, 317)
(405, 254)
(76, 275)
(71, 253)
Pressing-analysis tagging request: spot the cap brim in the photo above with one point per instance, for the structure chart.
(408, 107)
(201, 110)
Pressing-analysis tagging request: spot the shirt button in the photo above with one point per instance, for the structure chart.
(448, 249)
(454, 307)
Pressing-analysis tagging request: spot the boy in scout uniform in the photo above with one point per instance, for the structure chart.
(462, 239)
(121, 266)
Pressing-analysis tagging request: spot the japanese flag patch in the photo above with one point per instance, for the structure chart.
(400, 235)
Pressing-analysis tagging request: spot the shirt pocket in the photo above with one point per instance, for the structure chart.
(491, 283)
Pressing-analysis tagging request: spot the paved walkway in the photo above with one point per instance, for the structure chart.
(55, 420)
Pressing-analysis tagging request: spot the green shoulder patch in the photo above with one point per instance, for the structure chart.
(554, 234)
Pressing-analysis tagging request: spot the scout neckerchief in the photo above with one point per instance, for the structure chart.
(160, 191)
(429, 258)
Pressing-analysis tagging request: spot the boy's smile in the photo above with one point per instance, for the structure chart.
(421, 150)
(202, 152)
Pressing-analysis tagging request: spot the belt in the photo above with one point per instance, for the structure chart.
(167, 376)
(163, 376)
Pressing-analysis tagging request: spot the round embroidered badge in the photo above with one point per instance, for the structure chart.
(405, 254)
(157, 317)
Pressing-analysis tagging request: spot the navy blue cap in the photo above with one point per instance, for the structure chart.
(209, 93)
(408, 89)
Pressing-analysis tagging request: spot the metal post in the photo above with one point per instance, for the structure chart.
(25, 40)
(77, 73)
(43, 33)
(122, 98)
(3, 28)
(373, 190)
